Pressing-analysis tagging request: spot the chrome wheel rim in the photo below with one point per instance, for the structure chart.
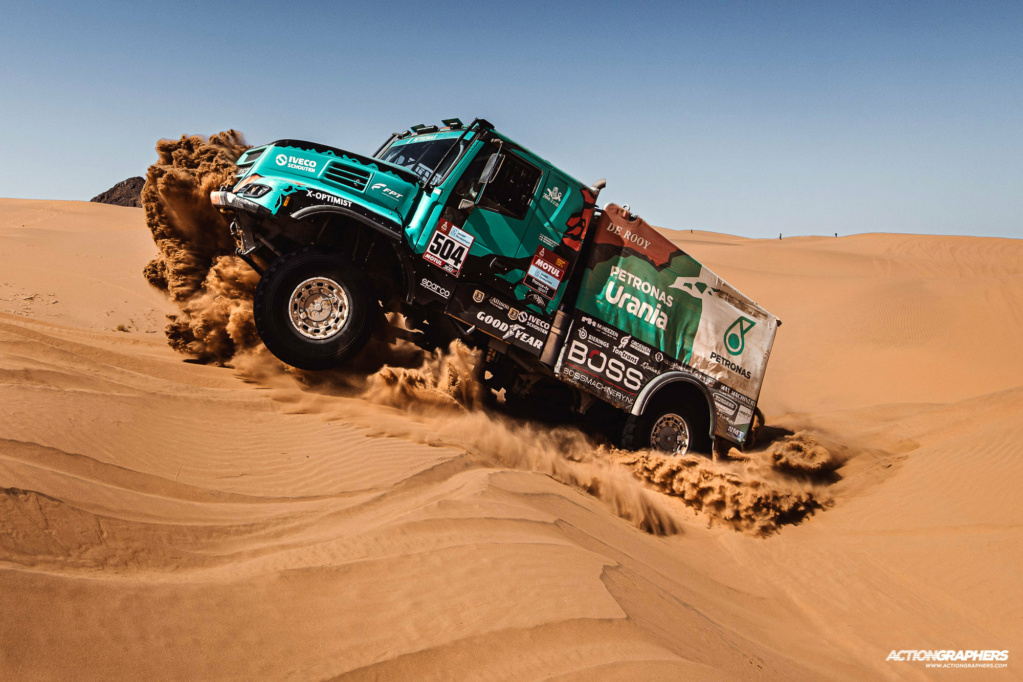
(670, 435)
(318, 308)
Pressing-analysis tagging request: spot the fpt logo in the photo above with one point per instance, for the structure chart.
(386, 190)
(735, 335)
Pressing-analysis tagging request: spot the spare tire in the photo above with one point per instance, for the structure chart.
(313, 309)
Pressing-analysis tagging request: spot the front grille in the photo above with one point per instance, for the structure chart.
(346, 176)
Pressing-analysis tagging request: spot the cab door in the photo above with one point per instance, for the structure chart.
(552, 240)
(491, 215)
(505, 209)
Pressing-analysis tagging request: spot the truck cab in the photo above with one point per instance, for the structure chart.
(483, 226)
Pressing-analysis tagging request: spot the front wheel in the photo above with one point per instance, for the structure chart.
(313, 310)
(668, 428)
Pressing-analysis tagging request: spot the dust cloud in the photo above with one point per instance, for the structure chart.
(755, 492)
(211, 287)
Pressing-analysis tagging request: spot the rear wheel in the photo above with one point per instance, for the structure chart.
(668, 427)
(313, 310)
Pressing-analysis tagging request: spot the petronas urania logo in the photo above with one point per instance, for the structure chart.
(735, 336)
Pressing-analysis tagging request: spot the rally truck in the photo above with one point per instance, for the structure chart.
(471, 236)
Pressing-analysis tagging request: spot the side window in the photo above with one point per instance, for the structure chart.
(511, 191)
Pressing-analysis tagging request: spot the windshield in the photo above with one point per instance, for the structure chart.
(422, 157)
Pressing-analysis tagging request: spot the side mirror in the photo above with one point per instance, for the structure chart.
(492, 168)
(466, 205)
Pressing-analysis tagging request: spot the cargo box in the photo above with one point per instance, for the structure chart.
(646, 310)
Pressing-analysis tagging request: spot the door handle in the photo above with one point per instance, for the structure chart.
(498, 265)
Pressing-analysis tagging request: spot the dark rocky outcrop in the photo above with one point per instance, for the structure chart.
(125, 193)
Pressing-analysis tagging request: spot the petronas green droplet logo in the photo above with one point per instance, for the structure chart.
(735, 336)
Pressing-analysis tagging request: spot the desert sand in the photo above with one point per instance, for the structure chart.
(168, 519)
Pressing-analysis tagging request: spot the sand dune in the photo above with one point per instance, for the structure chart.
(168, 519)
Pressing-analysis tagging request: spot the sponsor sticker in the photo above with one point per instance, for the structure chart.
(744, 416)
(597, 358)
(536, 299)
(735, 336)
(737, 368)
(499, 318)
(584, 357)
(506, 331)
(546, 272)
(430, 285)
(386, 190)
(316, 195)
(725, 406)
(448, 248)
(548, 242)
(296, 163)
(554, 196)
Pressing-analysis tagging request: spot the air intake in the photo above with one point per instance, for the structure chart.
(247, 159)
(346, 176)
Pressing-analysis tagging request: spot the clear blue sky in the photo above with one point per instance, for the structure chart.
(745, 117)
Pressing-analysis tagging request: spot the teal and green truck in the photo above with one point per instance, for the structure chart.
(470, 236)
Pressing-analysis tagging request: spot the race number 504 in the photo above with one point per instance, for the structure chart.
(449, 248)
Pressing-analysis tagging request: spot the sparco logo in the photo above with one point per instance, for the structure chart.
(435, 288)
(386, 190)
(296, 163)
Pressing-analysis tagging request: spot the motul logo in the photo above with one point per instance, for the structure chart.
(548, 267)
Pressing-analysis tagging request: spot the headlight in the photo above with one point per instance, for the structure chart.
(254, 190)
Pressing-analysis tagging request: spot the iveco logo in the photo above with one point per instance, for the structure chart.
(296, 163)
